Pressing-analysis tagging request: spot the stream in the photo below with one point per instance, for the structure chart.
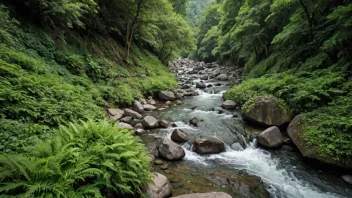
(283, 173)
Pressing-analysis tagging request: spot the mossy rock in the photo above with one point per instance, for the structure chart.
(266, 111)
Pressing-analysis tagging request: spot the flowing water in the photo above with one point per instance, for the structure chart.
(284, 173)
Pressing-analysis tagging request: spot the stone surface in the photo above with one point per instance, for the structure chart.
(208, 145)
(267, 111)
(347, 179)
(149, 122)
(166, 96)
(159, 188)
(137, 106)
(195, 122)
(271, 137)
(223, 77)
(201, 85)
(164, 124)
(116, 113)
(149, 107)
(244, 185)
(179, 136)
(170, 150)
(133, 114)
(206, 195)
(139, 131)
(123, 125)
(127, 119)
(229, 104)
(295, 131)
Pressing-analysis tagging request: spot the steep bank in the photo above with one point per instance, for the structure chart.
(51, 77)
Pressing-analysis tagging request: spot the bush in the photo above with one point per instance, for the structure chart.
(86, 159)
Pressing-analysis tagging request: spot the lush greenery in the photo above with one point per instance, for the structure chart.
(296, 50)
(84, 159)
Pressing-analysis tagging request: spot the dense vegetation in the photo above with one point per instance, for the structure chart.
(65, 60)
(85, 159)
(296, 50)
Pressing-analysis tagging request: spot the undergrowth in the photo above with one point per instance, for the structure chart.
(85, 159)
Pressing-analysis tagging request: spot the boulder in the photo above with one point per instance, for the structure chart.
(133, 114)
(201, 85)
(223, 77)
(116, 113)
(195, 122)
(204, 78)
(170, 150)
(186, 86)
(164, 124)
(179, 136)
(244, 185)
(347, 179)
(271, 137)
(137, 106)
(266, 111)
(149, 122)
(208, 145)
(167, 96)
(229, 104)
(198, 68)
(151, 101)
(127, 119)
(159, 188)
(139, 126)
(123, 125)
(295, 131)
(149, 107)
(216, 72)
(139, 132)
(206, 195)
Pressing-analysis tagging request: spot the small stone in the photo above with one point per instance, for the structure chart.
(127, 119)
(164, 166)
(158, 162)
(164, 124)
(139, 132)
(347, 179)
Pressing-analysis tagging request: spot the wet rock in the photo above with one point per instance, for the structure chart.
(149, 107)
(127, 119)
(149, 122)
(116, 113)
(123, 125)
(179, 102)
(164, 166)
(204, 78)
(179, 136)
(135, 122)
(244, 185)
(168, 102)
(218, 84)
(186, 86)
(198, 68)
(222, 77)
(159, 188)
(200, 85)
(139, 132)
(206, 195)
(164, 124)
(347, 179)
(137, 107)
(167, 96)
(133, 114)
(216, 72)
(170, 150)
(195, 122)
(208, 145)
(267, 111)
(237, 147)
(295, 132)
(271, 137)
(158, 162)
(229, 104)
(139, 126)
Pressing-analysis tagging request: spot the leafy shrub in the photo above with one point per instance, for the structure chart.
(302, 91)
(86, 159)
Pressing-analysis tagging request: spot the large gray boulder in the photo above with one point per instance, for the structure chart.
(208, 145)
(200, 85)
(170, 150)
(179, 136)
(133, 114)
(267, 111)
(206, 195)
(116, 113)
(223, 77)
(137, 106)
(295, 131)
(229, 104)
(271, 137)
(159, 188)
(166, 96)
(149, 122)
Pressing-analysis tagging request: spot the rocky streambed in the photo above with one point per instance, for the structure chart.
(201, 144)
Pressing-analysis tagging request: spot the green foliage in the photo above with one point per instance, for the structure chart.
(302, 91)
(86, 159)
